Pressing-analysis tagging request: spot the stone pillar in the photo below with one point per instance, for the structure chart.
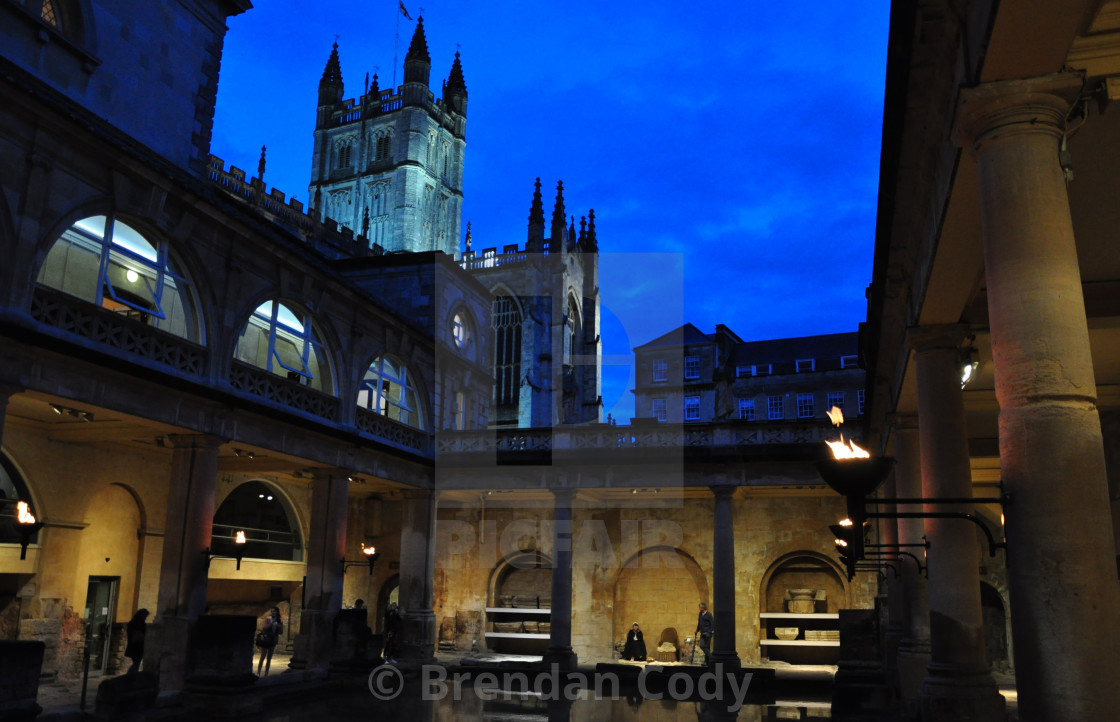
(913, 649)
(897, 616)
(723, 580)
(326, 547)
(1065, 600)
(958, 684)
(560, 634)
(417, 581)
(182, 579)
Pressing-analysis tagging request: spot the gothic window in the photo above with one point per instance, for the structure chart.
(267, 519)
(506, 322)
(388, 390)
(345, 148)
(279, 338)
(382, 151)
(105, 261)
(570, 331)
(460, 330)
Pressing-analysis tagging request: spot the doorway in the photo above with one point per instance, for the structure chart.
(101, 605)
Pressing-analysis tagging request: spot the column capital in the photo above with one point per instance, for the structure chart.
(563, 494)
(723, 490)
(996, 111)
(944, 336)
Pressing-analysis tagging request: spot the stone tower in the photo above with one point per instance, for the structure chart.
(390, 165)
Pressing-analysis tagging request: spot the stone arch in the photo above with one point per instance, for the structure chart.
(415, 381)
(272, 515)
(996, 619)
(537, 563)
(388, 594)
(659, 587)
(110, 546)
(804, 569)
(327, 344)
(22, 490)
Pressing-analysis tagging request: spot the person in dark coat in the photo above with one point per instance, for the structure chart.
(136, 630)
(267, 638)
(392, 629)
(704, 629)
(635, 648)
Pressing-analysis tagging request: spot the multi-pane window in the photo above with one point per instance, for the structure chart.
(344, 151)
(741, 371)
(805, 364)
(506, 322)
(847, 362)
(278, 337)
(692, 367)
(836, 398)
(746, 409)
(388, 390)
(860, 396)
(805, 406)
(659, 410)
(691, 408)
(382, 151)
(775, 408)
(104, 261)
(660, 369)
(460, 331)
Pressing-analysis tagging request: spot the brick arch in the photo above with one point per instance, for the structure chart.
(659, 588)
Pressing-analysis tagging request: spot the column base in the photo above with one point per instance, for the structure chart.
(729, 660)
(311, 649)
(417, 644)
(913, 661)
(960, 697)
(564, 657)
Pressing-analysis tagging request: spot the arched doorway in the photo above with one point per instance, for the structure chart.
(646, 582)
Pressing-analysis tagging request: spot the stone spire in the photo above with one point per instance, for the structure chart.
(373, 93)
(417, 62)
(591, 244)
(455, 90)
(582, 231)
(468, 236)
(536, 221)
(330, 85)
(559, 228)
(260, 165)
(572, 235)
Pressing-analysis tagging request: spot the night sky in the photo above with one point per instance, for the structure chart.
(730, 149)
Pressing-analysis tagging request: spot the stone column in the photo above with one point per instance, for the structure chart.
(326, 547)
(1065, 601)
(958, 684)
(560, 634)
(897, 617)
(913, 649)
(723, 580)
(417, 581)
(183, 572)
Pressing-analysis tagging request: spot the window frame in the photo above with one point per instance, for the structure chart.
(690, 408)
(810, 361)
(775, 408)
(806, 406)
(659, 370)
(659, 409)
(747, 410)
(691, 367)
(832, 400)
(378, 400)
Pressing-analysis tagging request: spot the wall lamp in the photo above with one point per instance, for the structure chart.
(73, 413)
(27, 525)
(238, 544)
(371, 557)
(970, 361)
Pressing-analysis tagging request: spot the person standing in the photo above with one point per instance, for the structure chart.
(392, 629)
(136, 631)
(635, 648)
(267, 638)
(705, 627)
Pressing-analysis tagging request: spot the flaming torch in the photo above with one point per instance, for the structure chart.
(25, 520)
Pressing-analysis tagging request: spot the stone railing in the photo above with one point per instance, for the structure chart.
(131, 337)
(259, 382)
(392, 432)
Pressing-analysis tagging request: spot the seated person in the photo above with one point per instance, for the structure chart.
(635, 648)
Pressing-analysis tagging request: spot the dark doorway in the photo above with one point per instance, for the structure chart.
(101, 605)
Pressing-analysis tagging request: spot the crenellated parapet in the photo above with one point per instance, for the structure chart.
(323, 233)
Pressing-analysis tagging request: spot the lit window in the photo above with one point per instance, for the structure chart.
(836, 398)
(460, 332)
(805, 406)
(387, 389)
(48, 14)
(692, 367)
(746, 409)
(775, 408)
(659, 410)
(691, 408)
(279, 338)
(103, 260)
(805, 364)
(660, 369)
(860, 396)
(847, 362)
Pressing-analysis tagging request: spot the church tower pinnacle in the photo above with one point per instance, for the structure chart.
(559, 220)
(417, 62)
(455, 91)
(535, 242)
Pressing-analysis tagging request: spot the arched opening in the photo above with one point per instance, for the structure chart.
(388, 389)
(103, 260)
(640, 593)
(266, 517)
(280, 337)
(518, 612)
(13, 489)
(995, 628)
(800, 597)
(390, 594)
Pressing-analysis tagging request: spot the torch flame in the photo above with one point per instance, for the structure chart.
(835, 415)
(23, 516)
(368, 551)
(847, 450)
(240, 538)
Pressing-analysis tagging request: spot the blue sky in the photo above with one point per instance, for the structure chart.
(730, 150)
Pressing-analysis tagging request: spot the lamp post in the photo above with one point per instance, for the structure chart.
(27, 525)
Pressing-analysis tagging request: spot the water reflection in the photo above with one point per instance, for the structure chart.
(531, 708)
